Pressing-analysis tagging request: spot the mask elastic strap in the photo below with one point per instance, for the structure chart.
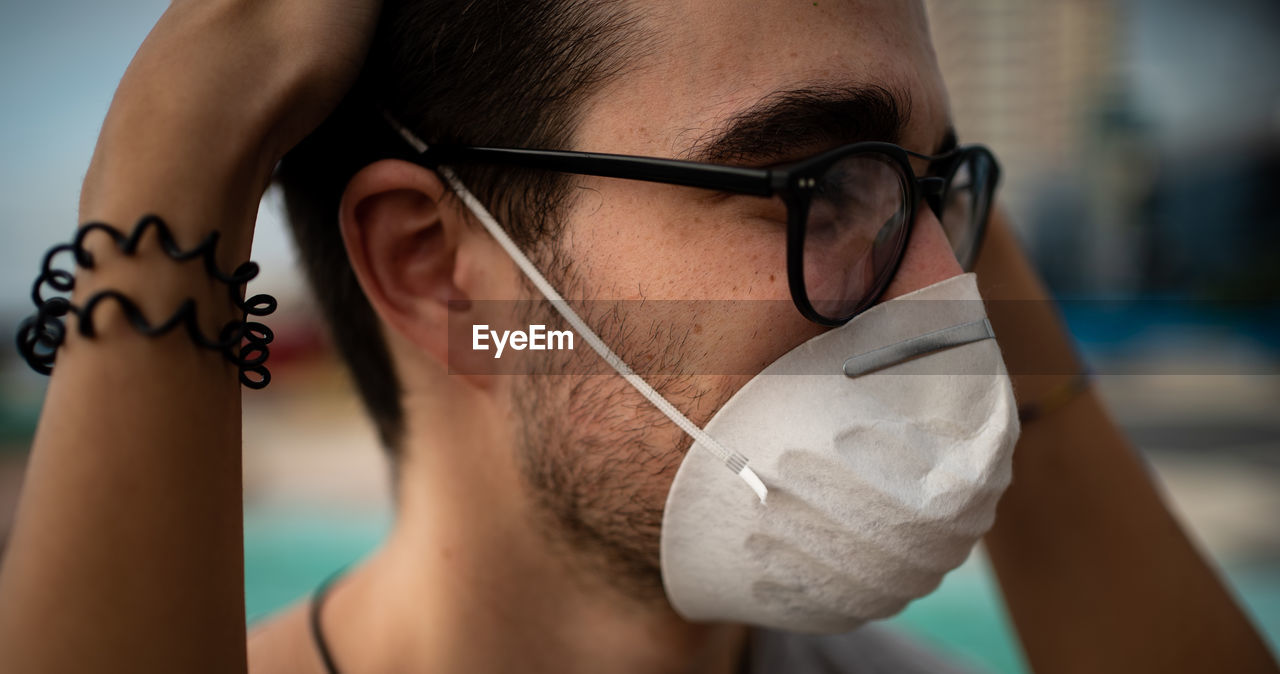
(734, 460)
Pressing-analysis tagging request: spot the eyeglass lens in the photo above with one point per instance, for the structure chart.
(856, 223)
(965, 205)
(857, 226)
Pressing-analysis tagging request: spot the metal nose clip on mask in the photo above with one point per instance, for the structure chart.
(885, 444)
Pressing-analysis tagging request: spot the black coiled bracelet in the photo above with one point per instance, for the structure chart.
(242, 342)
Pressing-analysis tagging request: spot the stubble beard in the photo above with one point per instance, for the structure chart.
(597, 458)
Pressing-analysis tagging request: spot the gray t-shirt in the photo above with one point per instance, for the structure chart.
(872, 649)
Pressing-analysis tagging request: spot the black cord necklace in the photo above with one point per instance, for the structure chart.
(318, 598)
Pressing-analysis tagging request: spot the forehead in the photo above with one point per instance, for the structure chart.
(708, 60)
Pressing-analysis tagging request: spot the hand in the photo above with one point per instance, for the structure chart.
(216, 94)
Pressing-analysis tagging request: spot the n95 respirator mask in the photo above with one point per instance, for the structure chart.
(862, 465)
(882, 475)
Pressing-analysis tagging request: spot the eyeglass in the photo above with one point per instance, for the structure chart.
(850, 210)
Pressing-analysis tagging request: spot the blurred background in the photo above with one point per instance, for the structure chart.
(1140, 141)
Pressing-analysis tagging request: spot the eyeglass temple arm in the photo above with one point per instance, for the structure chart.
(751, 181)
(669, 171)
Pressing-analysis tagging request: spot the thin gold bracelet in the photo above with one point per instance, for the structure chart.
(1056, 399)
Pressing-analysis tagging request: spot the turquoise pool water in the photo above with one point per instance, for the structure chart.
(288, 553)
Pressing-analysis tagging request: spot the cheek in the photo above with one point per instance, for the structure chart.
(703, 286)
(657, 242)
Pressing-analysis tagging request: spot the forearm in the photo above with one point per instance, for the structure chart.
(127, 549)
(1097, 574)
(129, 523)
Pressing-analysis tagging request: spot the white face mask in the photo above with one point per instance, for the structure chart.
(877, 451)
(879, 484)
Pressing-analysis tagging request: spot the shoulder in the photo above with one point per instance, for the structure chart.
(282, 644)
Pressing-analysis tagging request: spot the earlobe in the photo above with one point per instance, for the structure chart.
(403, 242)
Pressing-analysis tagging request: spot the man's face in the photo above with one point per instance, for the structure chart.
(751, 83)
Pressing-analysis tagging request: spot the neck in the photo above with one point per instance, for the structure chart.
(469, 581)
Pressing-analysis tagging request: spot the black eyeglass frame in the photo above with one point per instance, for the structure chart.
(794, 182)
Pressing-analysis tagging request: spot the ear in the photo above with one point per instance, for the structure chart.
(402, 239)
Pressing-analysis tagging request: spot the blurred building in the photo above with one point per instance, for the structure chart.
(1139, 137)
(1024, 77)
(1029, 79)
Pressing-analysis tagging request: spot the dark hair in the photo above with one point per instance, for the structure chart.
(479, 72)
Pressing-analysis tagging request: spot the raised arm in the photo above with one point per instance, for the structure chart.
(126, 553)
(1097, 574)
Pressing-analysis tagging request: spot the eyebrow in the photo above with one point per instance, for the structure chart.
(791, 121)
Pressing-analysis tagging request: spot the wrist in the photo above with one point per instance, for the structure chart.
(1032, 408)
(198, 174)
